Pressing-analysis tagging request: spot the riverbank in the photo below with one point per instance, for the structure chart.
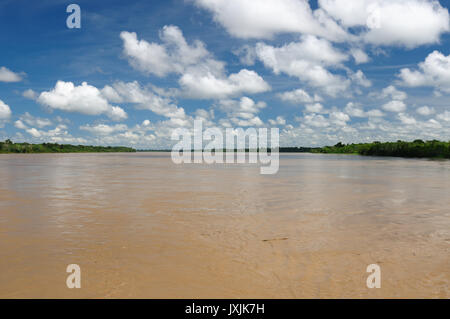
(9, 147)
(416, 149)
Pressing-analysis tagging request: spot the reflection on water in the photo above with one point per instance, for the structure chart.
(140, 226)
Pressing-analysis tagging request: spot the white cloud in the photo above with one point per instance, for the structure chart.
(375, 113)
(200, 85)
(243, 112)
(394, 106)
(85, 99)
(7, 75)
(34, 132)
(246, 54)
(405, 119)
(307, 60)
(316, 120)
(30, 94)
(34, 121)
(309, 48)
(5, 113)
(116, 113)
(359, 56)
(360, 79)
(266, 18)
(206, 116)
(104, 129)
(354, 110)
(121, 134)
(278, 121)
(144, 98)
(202, 77)
(434, 71)
(392, 92)
(299, 96)
(314, 108)
(444, 116)
(174, 55)
(20, 125)
(425, 110)
(59, 134)
(339, 118)
(410, 23)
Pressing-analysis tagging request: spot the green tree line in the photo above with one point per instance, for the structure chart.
(417, 148)
(10, 147)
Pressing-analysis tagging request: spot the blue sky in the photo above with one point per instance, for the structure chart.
(322, 71)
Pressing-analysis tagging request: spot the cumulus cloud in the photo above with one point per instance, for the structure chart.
(356, 110)
(104, 129)
(392, 92)
(144, 99)
(85, 99)
(5, 113)
(374, 113)
(266, 18)
(20, 125)
(299, 96)
(174, 55)
(30, 94)
(34, 121)
(359, 56)
(434, 71)
(406, 119)
(243, 112)
(394, 106)
(121, 134)
(202, 76)
(34, 132)
(425, 110)
(307, 60)
(315, 108)
(206, 85)
(315, 120)
(278, 121)
(409, 23)
(339, 118)
(59, 134)
(7, 75)
(444, 116)
(360, 79)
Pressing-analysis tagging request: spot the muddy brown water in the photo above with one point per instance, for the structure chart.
(140, 226)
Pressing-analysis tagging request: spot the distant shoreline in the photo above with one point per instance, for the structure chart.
(415, 149)
(8, 147)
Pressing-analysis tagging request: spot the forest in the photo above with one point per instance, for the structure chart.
(415, 149)
(9, 147)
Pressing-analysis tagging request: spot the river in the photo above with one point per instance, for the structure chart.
(140, 226)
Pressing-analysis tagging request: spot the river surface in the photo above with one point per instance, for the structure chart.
(140, 226)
